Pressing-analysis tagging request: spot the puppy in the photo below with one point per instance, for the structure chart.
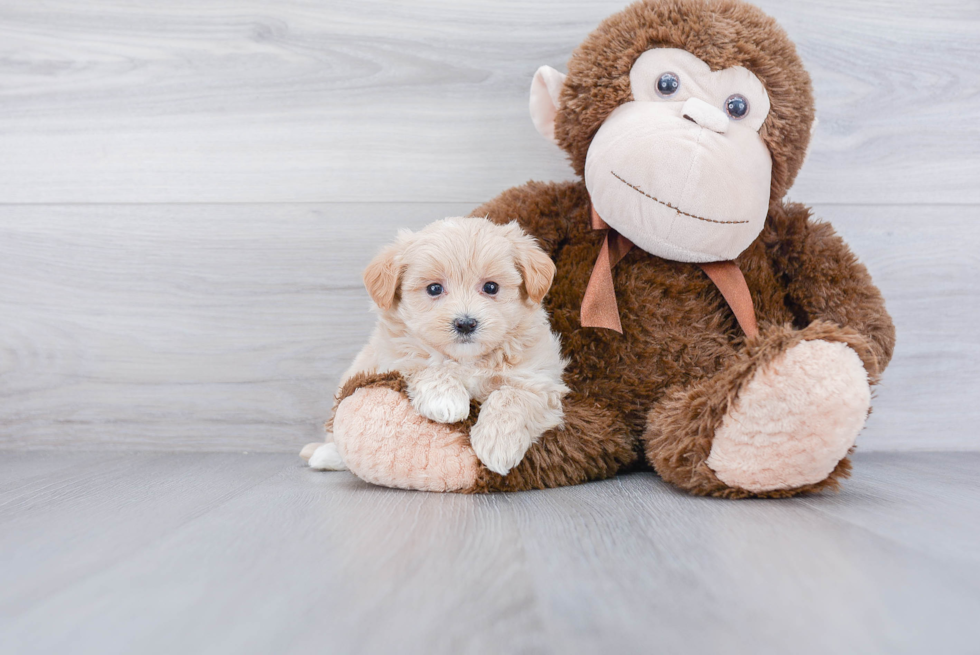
(460, 317)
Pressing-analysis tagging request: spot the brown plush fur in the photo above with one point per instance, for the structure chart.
(721, 33)
(680, 428)
(663, 386)
(681, 360)
(590, 446)
(593, 444)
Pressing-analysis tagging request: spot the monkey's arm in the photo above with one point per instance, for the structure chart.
(825, 281)
(549, 211)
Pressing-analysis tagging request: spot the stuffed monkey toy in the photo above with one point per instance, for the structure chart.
(716, 333)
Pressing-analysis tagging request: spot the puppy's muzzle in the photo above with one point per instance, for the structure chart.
(465, 325)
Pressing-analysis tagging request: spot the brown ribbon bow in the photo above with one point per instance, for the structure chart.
(599, 308)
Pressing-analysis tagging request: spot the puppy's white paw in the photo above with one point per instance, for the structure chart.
(326, 458)
(443, 406)
(499, 441)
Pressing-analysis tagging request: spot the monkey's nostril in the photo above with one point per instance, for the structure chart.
(465, 325)
(705, 115)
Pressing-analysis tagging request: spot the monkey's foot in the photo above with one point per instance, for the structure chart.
(384, 441)
(794, 420)
(776, 421)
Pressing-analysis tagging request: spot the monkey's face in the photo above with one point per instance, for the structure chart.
(672, 161)
(681, 170)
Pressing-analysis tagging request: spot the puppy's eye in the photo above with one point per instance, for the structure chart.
(491, 288)
(667, 84)
(737, 106)
(434, 290)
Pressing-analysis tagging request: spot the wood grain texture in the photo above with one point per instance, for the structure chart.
(304, 101)
(926, 261)
(183, 326)
(226, 327)
(225, 553)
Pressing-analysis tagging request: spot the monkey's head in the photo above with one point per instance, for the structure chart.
(687, 118)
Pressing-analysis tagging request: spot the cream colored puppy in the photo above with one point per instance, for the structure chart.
(460, 317)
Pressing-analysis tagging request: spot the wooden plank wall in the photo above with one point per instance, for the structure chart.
(188, 192)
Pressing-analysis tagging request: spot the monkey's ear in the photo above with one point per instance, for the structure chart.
(381, 276)
(545, 93)
(535, 265)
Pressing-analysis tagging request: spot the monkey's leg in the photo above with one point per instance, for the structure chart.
(383, 440)
(593, 444)
(778, 421)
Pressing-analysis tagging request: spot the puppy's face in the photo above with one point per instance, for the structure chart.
(461, 286)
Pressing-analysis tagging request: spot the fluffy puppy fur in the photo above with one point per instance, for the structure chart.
(460, 317)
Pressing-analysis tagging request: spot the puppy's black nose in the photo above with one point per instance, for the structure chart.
(465, 325)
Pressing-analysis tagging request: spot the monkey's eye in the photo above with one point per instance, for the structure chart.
(668, 84)
(491, 288)
(737, 106)
(434, 289)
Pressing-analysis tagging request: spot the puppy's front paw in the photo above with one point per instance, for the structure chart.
(499, 440)
(443, 405)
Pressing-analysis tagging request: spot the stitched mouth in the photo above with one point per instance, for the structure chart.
(670, 206)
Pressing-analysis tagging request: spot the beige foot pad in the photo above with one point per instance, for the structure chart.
(795, 420)
(383, 440)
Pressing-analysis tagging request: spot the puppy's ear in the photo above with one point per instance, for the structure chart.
(535, 265)
(382, 275)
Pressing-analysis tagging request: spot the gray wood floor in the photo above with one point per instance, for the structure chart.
(252, 553)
